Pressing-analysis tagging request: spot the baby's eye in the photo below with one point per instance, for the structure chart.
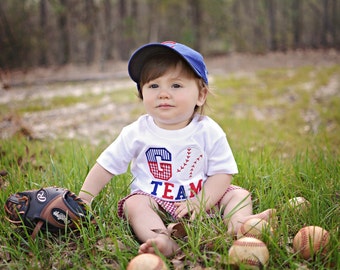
(153, 85)
(176, 85)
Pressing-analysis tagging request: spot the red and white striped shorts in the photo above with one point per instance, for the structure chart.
(168, 206)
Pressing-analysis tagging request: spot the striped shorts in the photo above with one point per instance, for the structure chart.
(167, 206)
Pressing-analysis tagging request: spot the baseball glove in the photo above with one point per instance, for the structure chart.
(50, 208)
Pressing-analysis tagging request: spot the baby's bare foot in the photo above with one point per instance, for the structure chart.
(267, 215)
(235, 222)
(162, 243)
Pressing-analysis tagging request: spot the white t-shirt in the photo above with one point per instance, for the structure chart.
(170, 164)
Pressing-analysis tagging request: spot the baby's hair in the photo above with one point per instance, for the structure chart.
(158, 64)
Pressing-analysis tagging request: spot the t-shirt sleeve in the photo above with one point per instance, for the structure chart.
(221, 158)
(117, 156)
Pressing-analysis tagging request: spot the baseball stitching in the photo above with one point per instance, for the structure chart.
(304, 239)
(252, 262)
(159, 266)
(186, 160)
(194, 165)
(249, 244)
(324, 240)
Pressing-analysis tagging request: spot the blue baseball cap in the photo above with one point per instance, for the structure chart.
(140, 56)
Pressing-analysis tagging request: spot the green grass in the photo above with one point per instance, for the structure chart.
(281, 154)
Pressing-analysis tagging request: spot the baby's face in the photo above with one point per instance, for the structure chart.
(171, 98)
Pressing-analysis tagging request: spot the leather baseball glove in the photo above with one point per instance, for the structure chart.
(50, 208)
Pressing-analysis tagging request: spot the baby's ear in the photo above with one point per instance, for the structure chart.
(202, 96)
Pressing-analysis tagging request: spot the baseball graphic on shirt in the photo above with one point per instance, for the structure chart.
(189, 162)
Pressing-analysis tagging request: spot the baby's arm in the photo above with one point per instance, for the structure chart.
(212, 191)
(94, 182)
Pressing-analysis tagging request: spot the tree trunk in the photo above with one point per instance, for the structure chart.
(8, 43)
(297, 23)
(43, 30)
(90, 19)
(335, 25)
(325, 32)
(153, 21)
(271, 8)
(65, 38)
(123, 49)
(196, 23)
(108, 31)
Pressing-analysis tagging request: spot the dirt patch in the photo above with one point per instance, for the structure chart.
(104, 120)
(250, 63)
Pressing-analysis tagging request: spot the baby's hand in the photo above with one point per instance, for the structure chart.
(189, 207)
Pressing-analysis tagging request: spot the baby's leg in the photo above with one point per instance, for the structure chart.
(239, 208)
(141, 214)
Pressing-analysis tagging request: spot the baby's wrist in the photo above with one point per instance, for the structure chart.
(86, 197)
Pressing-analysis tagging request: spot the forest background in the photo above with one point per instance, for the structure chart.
(58, 32)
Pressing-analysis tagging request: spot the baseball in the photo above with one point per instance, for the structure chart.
(249, 251)
(310, 240)
(254, 227)
(147, 261)
(299, 203)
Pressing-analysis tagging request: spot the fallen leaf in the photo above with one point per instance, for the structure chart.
(177, 230)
